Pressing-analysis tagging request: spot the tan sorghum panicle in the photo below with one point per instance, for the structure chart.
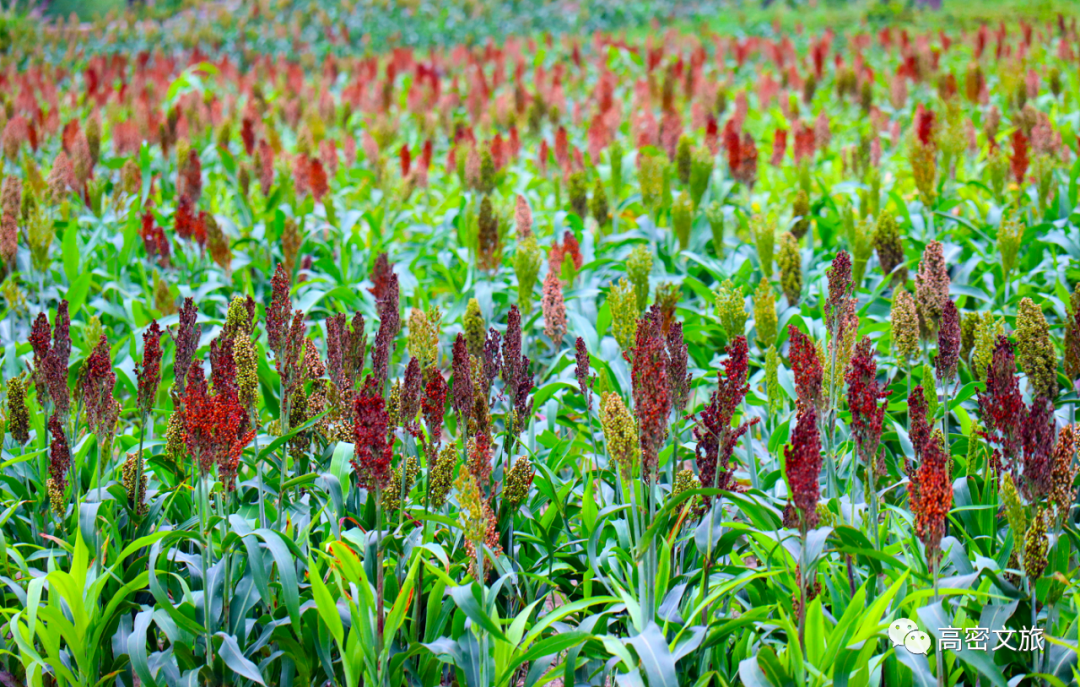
(423, 339)
(931, 288)
(247, 381)
(620, 433)
(1063, 474)
(518, 482)
(554, 309)
(130, 470)
(1035, 546)
(441, 474)
(522, 218)
(471, 505)
(905, 326)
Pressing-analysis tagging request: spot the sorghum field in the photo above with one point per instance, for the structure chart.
(493, 345)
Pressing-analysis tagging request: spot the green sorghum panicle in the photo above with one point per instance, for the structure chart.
(651, 179)
(765, 321)
(1035, 351)
(18, 419)
(624, 313)
(889, 245)
(246, 359)
(1010, 234)
(527, 261)
(579, 195)
(441, 474)
(789, 260)
(1015, 514)
(615, 156)
(701, 167)
(682, 219)
(929, 391)
(1072, 335)
(714, 215)
(862, 247)
(997, 167)
(764, 234)
(731, 309)
(905, 326)
(772, 379)
(800, 211)
(987, 332)
(638, 268)
(683, 159)
(475, 328)
(599, 204)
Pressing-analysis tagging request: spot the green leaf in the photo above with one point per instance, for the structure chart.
(70, 249)
(235, 660)
(656, 659)
(465, 598)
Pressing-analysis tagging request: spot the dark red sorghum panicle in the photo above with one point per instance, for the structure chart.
(1019, 159)
(185, 219)
(463, 385)
(930, 497)
(480, 454)
(277, 315)
(374, 444)
(652, 394)
(389, 324)
(582, 371)
(515, 369)
(187, 342)
(802, 465)
(55, 364)
(919, 430)
(96, 388)
(678, 361)
(806, 367)
(948, 356)
(840, 287)
(380, 276)
(214, 425)
(223, 365)
(434, 404)
(1038, 433)
(716, 438)
(864, 392)
(492, 357)
(41, 343)
(149, 373)
(410, 394)
(511, 347)
(59, 453)
(924, 125)
(62, 334)
(289, 365)
(154, 241)
(345, 350)
(1001, 407)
